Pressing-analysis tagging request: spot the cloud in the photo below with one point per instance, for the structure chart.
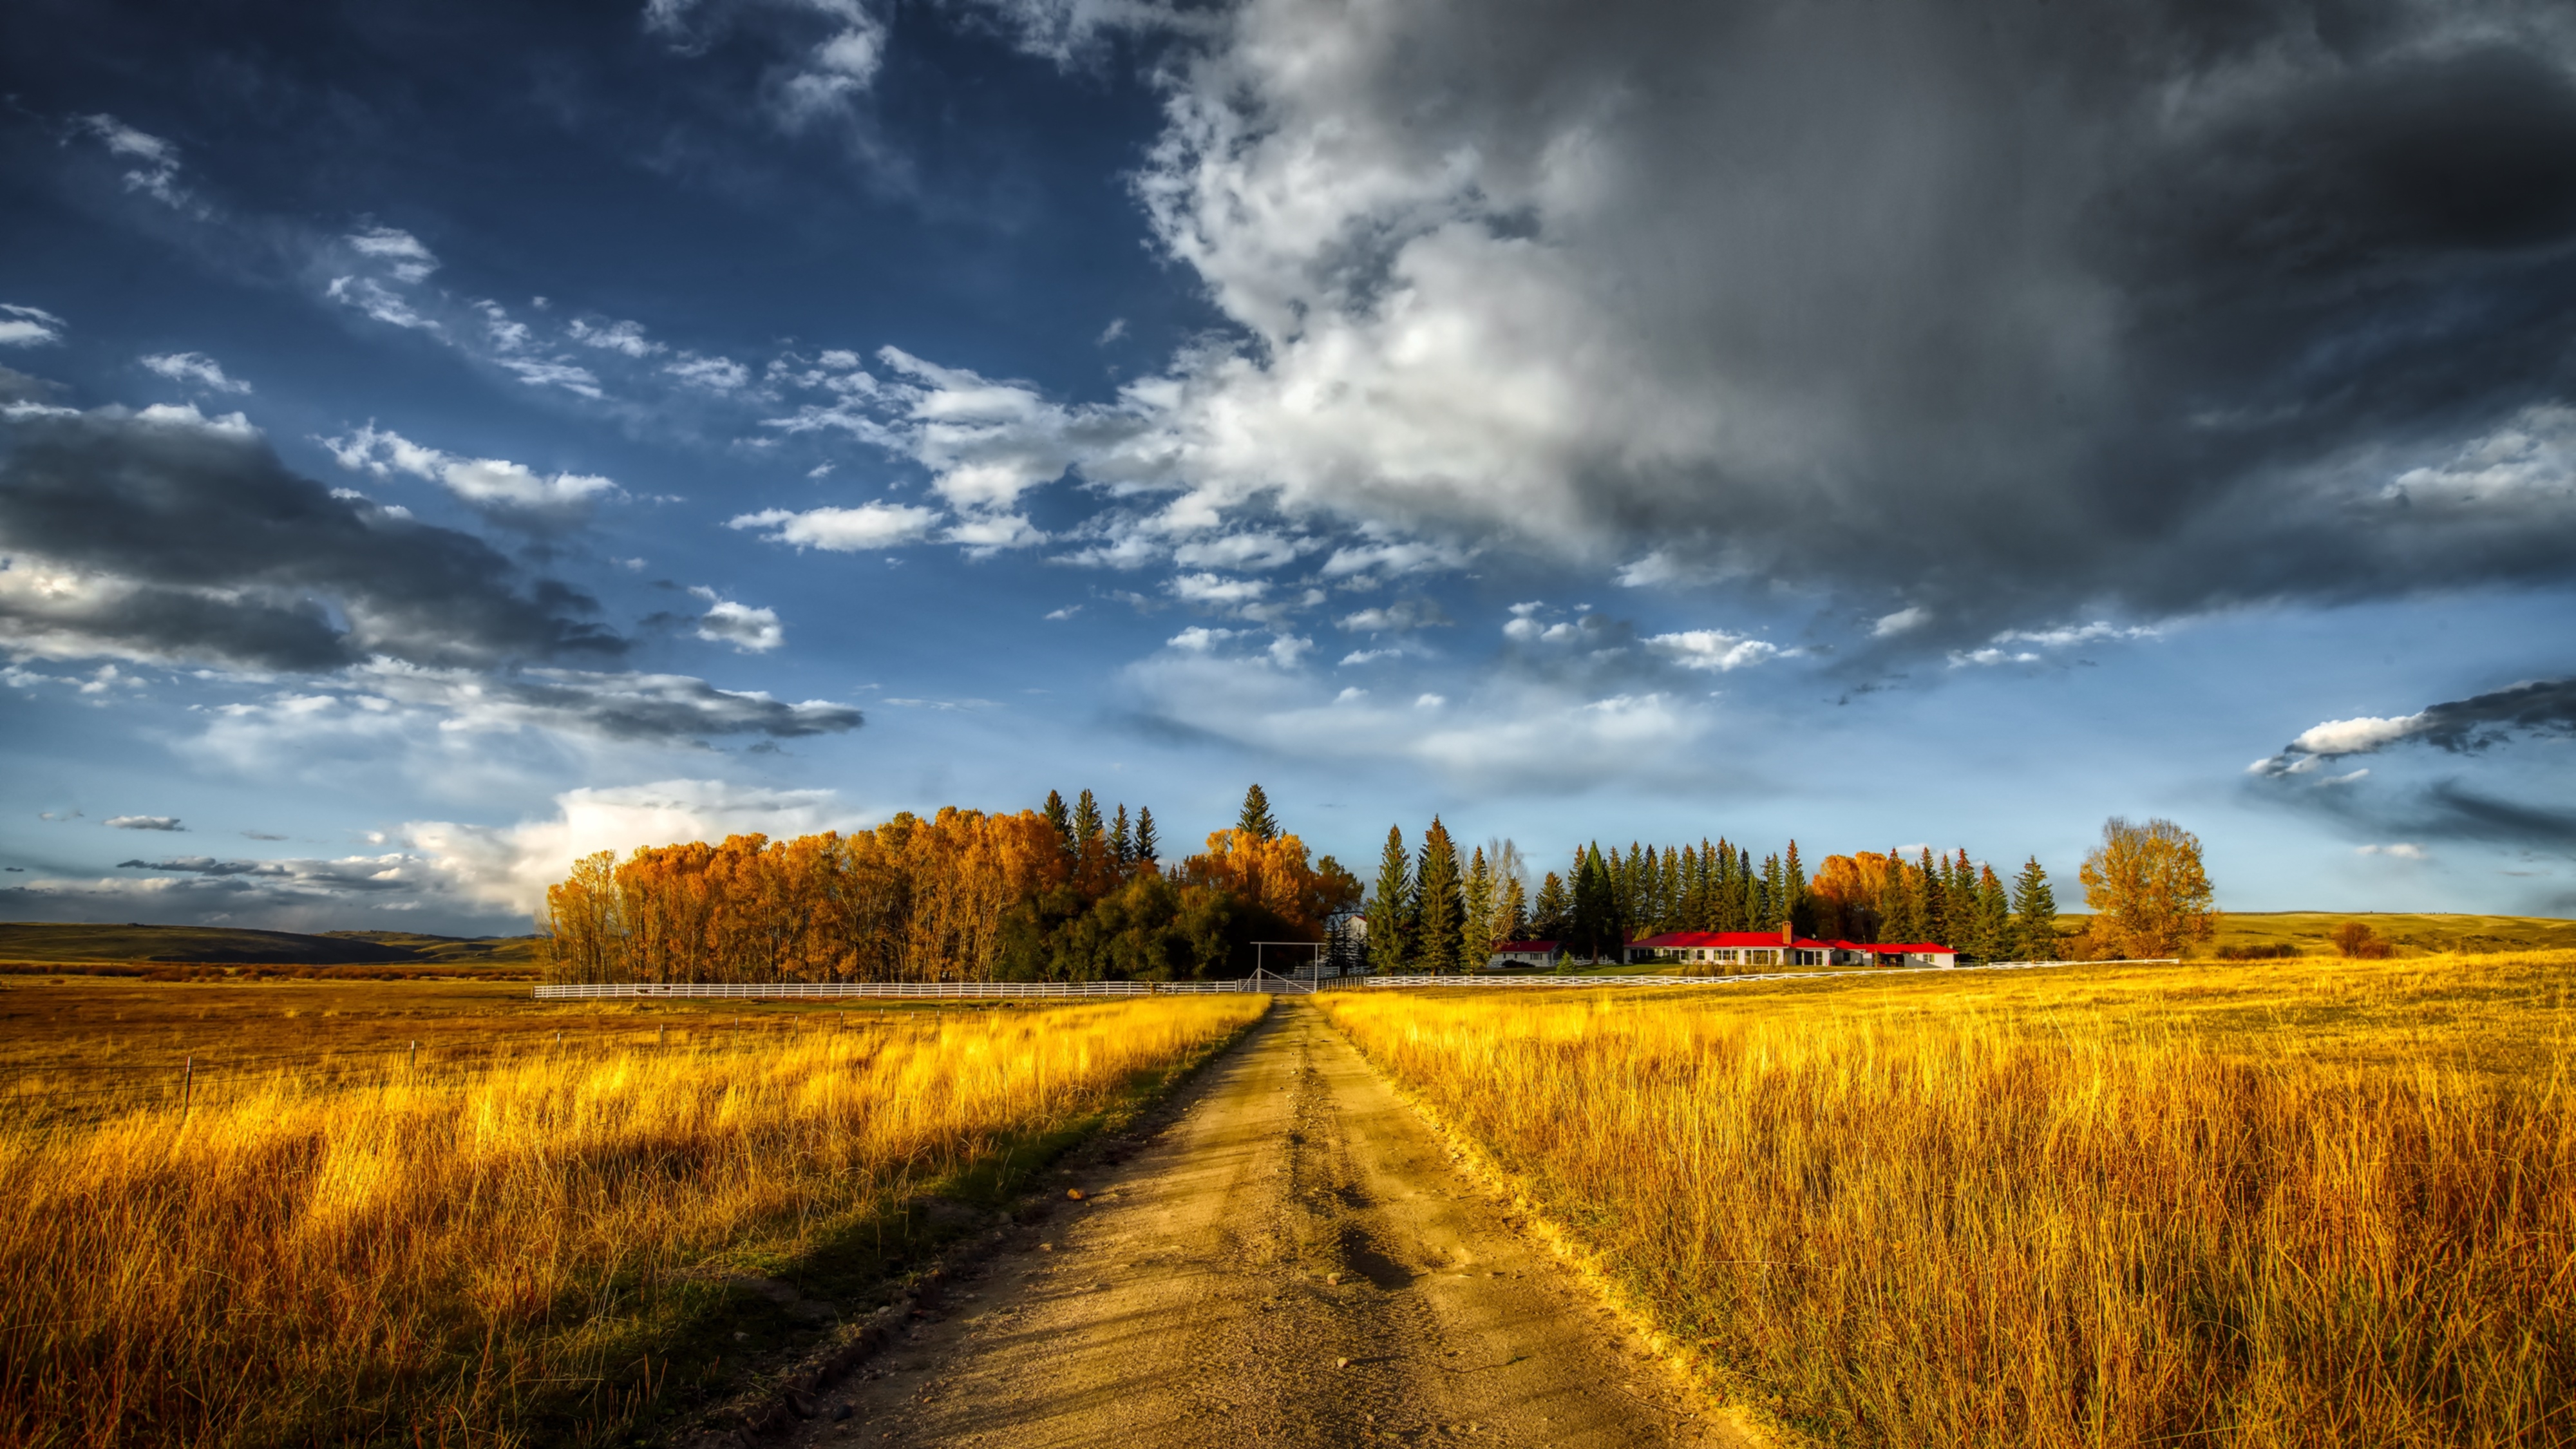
(28, 326)
(2539, 707)
(715, 374)
(1217, 591)
(506, 491)
(1832, 295)
(144, 822)
(2021, 646)
(167, 535)
(753, 631)
(1399, 617)
(194, 368)
(844, 530)
(156, 171)
(622, 337)
(1712, 649)
(1903, 621)
(2399, 850)
(401, 253)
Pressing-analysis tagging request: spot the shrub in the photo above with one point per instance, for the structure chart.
(2355, 941)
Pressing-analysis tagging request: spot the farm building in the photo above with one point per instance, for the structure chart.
(1526, 953)
(1781, 949)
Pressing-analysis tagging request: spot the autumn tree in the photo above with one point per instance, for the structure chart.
(2148, 890)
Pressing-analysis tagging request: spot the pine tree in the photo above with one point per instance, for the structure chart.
(1122, 841)
(1994, 917)
(1439, 907)
(1937, 927)
(1086, 822)
(1056, 816)
(1148, 849)
(1511, 922)
(1748, 892)
(1479, 941)
(1598, 928)
(2034, 907)
(1900, 908)
(1389, 905)
(1671, 901)
(1552, 914)
(1796, 909)
(1255, 819)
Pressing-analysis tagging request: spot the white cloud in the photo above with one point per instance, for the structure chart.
(2399, 850)
(715, 374)
(983, 535)
(753, 631)
(28, 326)
(2357, 736)
(493, 485)
(2531, 458)
(1198, 639)
(1903, 621)
(554, 372)
(144, 822)
(378, 301)
(194, 368)
(1429, 701)
(156, 172)
(1710, 649)
(398, 251)
(622, 337)
(1216, 590)
(1067, 612)
(844, 530)
(1254, 550)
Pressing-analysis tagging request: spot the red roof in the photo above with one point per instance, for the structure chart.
(1756, 940)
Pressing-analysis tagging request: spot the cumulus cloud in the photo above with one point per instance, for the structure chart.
(2539, 707)
(195, 369)
(168, 535)
(753, 631)
(1903, 621)
(844, 530)
(622, 337)
(2543, 711)
(509, 492)
(1713, 649)
(28, 326)
(144, 822)
(1216, 590)
(715, 374)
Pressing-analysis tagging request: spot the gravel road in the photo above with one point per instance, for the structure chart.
(1293, 1261)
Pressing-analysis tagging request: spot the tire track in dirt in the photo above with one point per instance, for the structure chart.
(1293, 1261)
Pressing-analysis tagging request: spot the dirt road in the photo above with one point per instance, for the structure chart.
(1294, 1261)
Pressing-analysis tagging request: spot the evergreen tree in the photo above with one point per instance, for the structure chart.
(1390, 904)
(1148, 849)
(2034, 907)
(1511, 922)
(1552, 915)
(1122, 841)
(1994, 917)
(1056, 816)
(1672, 902)
(1900, 909)
(1775, 894)
(1748, 892)
(1255, 819)
(1440, 908)
(1479, 941)
(1086, 822)
(1796, 909)
(1937, 925)
(1598, 930)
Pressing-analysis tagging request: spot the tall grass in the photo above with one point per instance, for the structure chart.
(1976, 1228)
(428, 1258)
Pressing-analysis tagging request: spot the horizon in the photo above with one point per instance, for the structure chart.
(440, 442)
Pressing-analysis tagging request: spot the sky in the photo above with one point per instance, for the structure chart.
(437, 441)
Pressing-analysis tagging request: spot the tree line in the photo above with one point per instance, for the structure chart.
(1054, 894)
(1428, 911)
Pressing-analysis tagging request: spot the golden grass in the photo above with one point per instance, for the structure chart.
(2098, 1206)
(498, 1250)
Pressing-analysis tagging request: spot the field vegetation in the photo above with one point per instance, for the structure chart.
(2300, 1202)
(500, 1238)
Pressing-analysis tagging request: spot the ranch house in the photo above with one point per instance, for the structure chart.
(1783, 949)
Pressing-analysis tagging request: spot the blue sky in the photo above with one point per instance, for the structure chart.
(440, 440)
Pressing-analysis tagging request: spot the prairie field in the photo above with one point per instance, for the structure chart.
(499, 1236)
(2280, 1203)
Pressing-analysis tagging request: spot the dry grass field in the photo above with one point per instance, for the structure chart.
(2282, 1203)
(503, 1238)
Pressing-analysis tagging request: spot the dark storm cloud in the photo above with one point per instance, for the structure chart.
(2002, 312)
(166, 535)
(2446, 809)
(657, 706)
(2538, 707)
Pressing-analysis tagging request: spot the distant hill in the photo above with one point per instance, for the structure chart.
(2305, 931)
(57, 941)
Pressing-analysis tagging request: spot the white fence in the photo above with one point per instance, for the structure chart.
(1411, 982)
(916, 990)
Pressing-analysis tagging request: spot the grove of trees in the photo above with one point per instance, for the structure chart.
(1057, 894)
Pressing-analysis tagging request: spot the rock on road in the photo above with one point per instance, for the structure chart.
(1294, 1260)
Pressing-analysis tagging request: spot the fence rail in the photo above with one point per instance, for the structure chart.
(1401, 983)
(909, 990)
